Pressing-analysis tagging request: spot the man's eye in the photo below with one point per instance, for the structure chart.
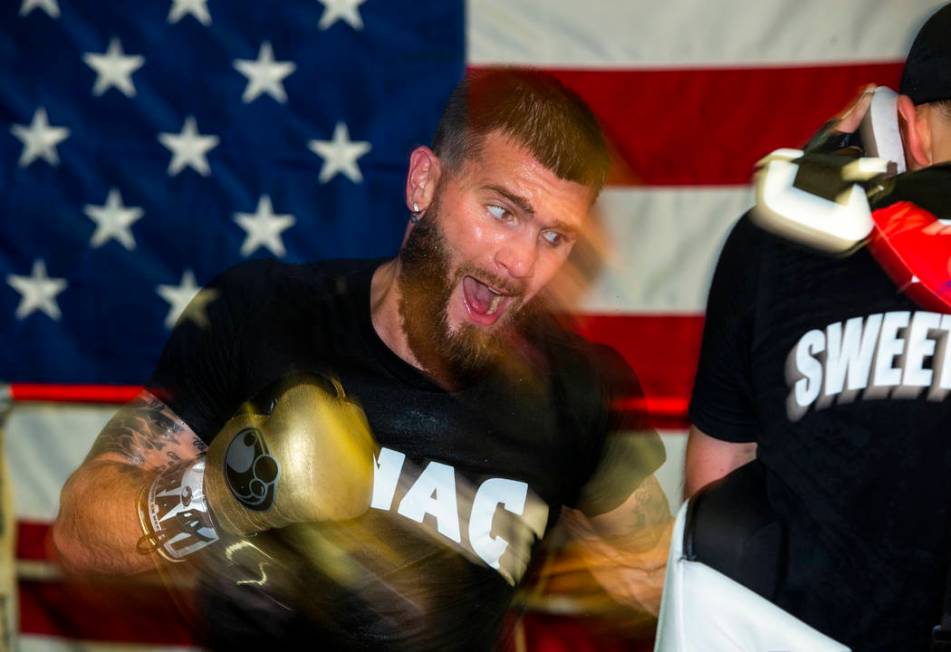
(500, 213)
(553, 238)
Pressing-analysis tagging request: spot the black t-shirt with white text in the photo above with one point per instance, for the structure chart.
(842, 381)
(465, 483)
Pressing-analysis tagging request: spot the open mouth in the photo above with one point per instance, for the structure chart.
(484, 303)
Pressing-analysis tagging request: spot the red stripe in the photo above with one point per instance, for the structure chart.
(708, 127)
(659, 413)
(662, 350)
(102, 610)
(668, 406)
(33, 542)
(99, 609)
(598, 631)
(74, 393)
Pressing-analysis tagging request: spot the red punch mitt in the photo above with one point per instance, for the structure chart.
(914, 248)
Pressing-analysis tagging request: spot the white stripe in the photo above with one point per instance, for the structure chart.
(664, 245)
(36, 431)
(690, 33)
(44, 444)
(38, 571)
(30, 643)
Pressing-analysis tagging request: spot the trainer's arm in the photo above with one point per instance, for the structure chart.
(709, 459)
(97, 528)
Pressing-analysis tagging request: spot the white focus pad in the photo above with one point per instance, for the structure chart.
(881, 136)
(703, 610)
(832, 226)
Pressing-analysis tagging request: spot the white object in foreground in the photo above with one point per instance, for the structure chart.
(703, 610)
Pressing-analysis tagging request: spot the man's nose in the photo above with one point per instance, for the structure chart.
(517, 256)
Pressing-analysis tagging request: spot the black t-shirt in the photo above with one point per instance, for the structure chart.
(530, 440)
(841, 380)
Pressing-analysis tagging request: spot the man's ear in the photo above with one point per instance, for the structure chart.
(915, 133)
(422, 179)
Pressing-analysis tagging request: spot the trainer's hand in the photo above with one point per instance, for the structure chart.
(848, 120)
(819, 196)
(836, 134)
(308, 458)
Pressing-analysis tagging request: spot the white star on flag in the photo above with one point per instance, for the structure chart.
(187, 300)
(340, 155)
(113, 221)
(347, 10)
(263, 228)
(51, 7)
(265, 75)
(39, 139)
(189, 148)
(197, 8)
(37, 292)
(114, 68)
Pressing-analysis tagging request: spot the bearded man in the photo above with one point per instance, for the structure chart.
(411, 428)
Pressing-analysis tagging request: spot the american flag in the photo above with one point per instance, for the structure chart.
(147, 146)
(150, 145)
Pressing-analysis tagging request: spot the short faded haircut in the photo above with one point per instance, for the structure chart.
(536, 111)
(945, 107)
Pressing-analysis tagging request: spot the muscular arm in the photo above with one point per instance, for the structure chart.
(709, 459)
(626, 548)
(97, 528)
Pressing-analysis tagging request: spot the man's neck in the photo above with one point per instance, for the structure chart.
(385, 311)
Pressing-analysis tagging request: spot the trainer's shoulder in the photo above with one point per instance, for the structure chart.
(747, 238)
(929, 188)
(750, 251)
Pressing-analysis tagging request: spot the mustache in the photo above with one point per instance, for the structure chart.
(507, 286)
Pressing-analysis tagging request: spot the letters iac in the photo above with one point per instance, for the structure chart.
(465, 515)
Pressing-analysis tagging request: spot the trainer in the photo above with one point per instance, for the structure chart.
(821, 370)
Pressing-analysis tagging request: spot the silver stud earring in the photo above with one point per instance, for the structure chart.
(416, 214)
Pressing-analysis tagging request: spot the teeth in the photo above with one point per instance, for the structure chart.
(494, 305)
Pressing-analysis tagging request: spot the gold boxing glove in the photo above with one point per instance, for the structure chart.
(306, 457)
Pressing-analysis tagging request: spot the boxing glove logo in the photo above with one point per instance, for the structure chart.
(250, 470)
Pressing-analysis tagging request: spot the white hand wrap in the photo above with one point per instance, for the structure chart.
(174, 514)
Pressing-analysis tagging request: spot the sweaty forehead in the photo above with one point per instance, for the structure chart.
(502, 162)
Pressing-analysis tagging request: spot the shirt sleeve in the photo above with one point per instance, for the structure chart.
(627, 449)
(199, 373)
(722, 401)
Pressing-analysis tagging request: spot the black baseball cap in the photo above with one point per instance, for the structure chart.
(927, 75)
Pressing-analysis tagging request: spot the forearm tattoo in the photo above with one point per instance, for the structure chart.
(146, 433)
(651, 507)
(650, 517)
